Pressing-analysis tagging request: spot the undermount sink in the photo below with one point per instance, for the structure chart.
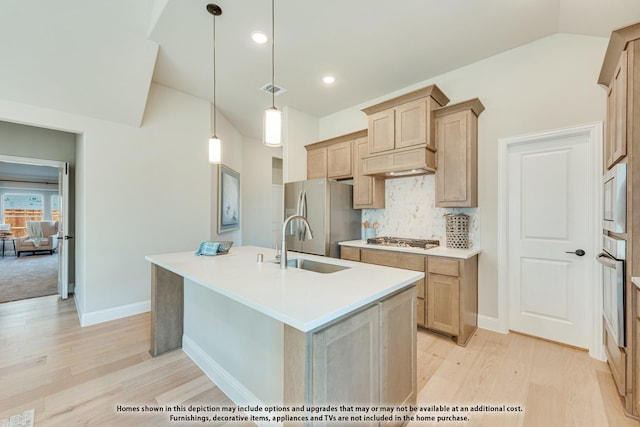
(316, 266)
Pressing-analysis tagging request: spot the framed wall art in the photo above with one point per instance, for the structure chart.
(228, 199)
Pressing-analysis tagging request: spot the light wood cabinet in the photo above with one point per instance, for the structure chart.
(346, 361)
(382, 131)
(621, 136)
(368, 191)
(339, 163)
(446, 299)
(367, 358)
(615, 146)
(457, 156)
(350, 253)
(317, 163)
(332, 158)
(404, 121)
(452, 296)
(398, 361)
(406, 124)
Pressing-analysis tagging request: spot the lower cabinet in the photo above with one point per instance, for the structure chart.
(446, 299)
(346, 362)
(452, 296)
(400, 260)
(366, 359)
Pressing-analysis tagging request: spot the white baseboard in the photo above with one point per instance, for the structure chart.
(225, 381)
(490, 323)
(114, 313)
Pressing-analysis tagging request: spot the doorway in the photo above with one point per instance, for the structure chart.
(35, 201)
(549, 193)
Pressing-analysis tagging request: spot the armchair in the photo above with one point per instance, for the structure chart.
(49, 232)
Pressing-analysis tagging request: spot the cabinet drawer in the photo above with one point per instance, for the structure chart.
(393, 259)
(445, 266)
(350, 253)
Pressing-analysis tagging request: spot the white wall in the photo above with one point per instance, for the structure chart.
(256, 192)
(547, 84)
(300, 129)
(139, 191)
(231, 157)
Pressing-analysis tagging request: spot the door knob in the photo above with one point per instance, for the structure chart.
(578, 252)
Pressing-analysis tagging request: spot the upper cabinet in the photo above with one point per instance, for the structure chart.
(368, 191)
(401, 134)
(615, 145)
(617, 74)
(332, 158)
(316, 162)
(457, 165)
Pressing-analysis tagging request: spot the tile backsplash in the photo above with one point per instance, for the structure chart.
(410, 212)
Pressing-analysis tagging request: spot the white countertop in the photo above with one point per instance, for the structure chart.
(636, 281)
(302, 299)
(437, 251)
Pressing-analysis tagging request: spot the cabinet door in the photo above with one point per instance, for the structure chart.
(411, 123)
(381, 131)
(443, 303)
(456, 175)
(616, 143)
(368, 191)
(398, 350)
(317, 163)
(339, 160)
(346, 360)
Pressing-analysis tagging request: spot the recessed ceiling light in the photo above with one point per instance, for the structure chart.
(259, 37)
(328, 79)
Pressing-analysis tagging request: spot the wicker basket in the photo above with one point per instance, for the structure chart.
(458, 231)
(225, 245)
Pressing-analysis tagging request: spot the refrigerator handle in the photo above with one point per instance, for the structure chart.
(302, 229)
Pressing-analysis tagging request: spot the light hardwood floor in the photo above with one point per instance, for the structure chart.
(77, 376)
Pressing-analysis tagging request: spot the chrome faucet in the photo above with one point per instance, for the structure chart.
(283, 247)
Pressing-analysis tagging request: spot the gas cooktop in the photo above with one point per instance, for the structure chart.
(403, 242)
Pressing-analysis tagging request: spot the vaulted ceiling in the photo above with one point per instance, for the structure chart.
(98, 59)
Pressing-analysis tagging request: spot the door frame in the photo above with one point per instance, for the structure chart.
(40, 162)
(594, 131)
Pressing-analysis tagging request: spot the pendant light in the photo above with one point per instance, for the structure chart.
(215, 143)
(272, 123)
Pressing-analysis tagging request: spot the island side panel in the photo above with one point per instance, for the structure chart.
(296, 371)
(238, 348)
(167, 310)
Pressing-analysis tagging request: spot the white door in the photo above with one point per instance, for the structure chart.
(63, 231)
(550, 220)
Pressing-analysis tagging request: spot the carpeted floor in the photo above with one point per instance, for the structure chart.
(29, 276)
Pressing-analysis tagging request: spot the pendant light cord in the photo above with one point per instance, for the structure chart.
(273, 42)
(215, 112)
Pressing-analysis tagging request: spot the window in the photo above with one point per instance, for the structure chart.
(20, 208)
(55, 208)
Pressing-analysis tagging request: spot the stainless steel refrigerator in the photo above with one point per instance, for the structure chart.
(328, 206)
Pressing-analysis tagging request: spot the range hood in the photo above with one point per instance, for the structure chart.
(400, 163)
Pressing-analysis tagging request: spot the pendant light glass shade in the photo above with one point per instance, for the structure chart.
(215, 150)
(272, 128)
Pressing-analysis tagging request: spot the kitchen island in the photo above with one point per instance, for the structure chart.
(268, 336)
